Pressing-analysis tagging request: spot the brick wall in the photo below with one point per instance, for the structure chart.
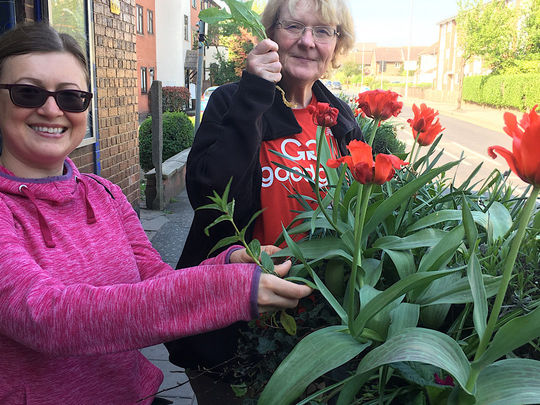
(116, 71)
(116, 95)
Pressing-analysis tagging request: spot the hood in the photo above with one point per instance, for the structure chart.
(55, 190)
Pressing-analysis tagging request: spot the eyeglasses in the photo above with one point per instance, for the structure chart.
(28, 96)
(321, 33)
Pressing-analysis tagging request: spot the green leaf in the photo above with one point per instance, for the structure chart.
(411, 282)
(470, 229)
(372, 271)
(318, 249)
(455, 290)
(387, 207)
(288, 322)
(320, 285)
(381, 320)
(333, 347)
(230, 240)
(437, 256)
(509, 382)
(267, 263)
(214, 15)
(423, 238)
(499, 221)
(255, 248)
(302, 281)
(422, 345)
(404, 262)
(478, 290)
(404, 316)
(511, 335)
(444, 216)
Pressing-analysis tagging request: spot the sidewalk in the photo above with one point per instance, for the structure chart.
(167, 230)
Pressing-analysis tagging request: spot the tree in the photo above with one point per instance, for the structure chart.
(531, 29)
(489, 30)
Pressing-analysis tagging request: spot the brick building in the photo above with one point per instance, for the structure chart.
(107, 29)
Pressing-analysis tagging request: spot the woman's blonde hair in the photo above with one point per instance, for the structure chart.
(332, 12)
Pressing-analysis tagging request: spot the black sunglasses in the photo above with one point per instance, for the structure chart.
(28, 96)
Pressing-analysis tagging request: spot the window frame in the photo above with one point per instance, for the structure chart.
(144, 80)
(151, 74)
(186, 28)
(150, 21)
(90, 136)
(140, 19)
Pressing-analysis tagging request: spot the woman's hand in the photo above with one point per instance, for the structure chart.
(274, 292)
(263, 61)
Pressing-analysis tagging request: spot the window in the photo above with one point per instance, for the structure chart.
(76, 23)
(397, 65)
(194, 3)
(140, 27)
(144, 85)
(186, 28)
(151, 74)
(150, 22)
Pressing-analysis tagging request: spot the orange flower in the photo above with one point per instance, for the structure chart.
(323, 114)
(363, 168)
(424, 129)
(379, 104)
(524, 160)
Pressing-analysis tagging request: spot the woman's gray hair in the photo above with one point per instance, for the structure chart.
(334, 12)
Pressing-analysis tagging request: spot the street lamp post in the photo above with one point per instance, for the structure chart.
(408, 51)
(200, 70)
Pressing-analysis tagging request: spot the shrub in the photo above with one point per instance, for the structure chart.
(175, 98)
(177, 136)
(385, 140)
(515, 91)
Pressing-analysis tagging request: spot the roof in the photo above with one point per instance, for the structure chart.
(388, 54)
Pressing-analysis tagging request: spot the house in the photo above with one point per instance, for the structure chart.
(110, 147)
(146, 50)
(361, 54)
(427, 65)
(388, 61)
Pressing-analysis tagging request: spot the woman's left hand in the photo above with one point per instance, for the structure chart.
(241, 256)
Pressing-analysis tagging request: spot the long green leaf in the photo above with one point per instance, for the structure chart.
(511, 335)
(455, 290)
(509, 382)
(404, 262)
(316, 354)
(389, 205)
(404, 316)
(424, 346)
(214, 15)
(411, 282)
(499, 221)
(423, 238)
(447, 215)
(439, 255)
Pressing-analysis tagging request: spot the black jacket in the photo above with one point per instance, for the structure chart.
(238, 117)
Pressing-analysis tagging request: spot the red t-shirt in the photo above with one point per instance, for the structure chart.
(278, 183)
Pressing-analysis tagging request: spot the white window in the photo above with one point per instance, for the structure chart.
(140, 26)
(144, 83)
(150, 21)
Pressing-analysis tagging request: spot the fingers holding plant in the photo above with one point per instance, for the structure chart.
(263, 61)
(276, 293)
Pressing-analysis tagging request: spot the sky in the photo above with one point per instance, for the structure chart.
(387, 22)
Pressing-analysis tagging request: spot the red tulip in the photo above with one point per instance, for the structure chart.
(363, 168)
(379, 104)
(524, 160)
(323, 114)
(424, 129)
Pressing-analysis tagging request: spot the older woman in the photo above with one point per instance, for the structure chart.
(245, 121)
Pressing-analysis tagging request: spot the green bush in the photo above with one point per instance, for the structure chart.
(177, 136)
(515, 91)
(175, 98)
(385, 140)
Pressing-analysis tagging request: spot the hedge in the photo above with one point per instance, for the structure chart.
(177, 136)
(515, 91)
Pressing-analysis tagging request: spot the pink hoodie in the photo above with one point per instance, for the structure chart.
(81, 289)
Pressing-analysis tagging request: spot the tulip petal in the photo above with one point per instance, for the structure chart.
(361, 152)
(362, 172)
(506, 154)
(384, 169)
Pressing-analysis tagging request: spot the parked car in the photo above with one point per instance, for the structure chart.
(206, 96)
(336, 85)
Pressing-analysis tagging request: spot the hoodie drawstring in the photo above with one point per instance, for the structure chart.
(90, 215)
(43, 225)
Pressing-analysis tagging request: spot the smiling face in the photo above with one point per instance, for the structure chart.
(303, 60)
(36, 141)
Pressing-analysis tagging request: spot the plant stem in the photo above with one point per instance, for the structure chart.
(320, 139)
(361, 207)
(506, 275)
(373, 131)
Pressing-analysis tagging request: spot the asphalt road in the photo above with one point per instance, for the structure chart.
(463, 138)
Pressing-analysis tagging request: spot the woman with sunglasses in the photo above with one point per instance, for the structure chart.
(81, 288)
(245, 121)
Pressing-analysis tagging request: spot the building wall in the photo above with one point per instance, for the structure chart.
(146, 52)
(171, 44)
